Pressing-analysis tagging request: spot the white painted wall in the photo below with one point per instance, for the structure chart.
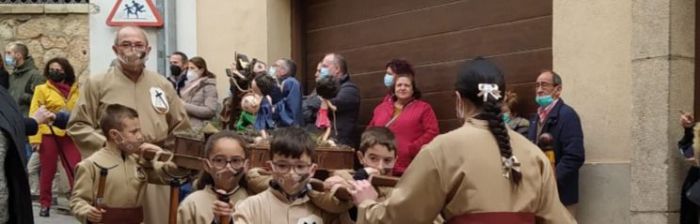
(186, 26)
(102, 39)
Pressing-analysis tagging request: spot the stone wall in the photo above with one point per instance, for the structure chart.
(48, 35)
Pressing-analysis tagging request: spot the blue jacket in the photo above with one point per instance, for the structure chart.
(565, 126)
(289, 106)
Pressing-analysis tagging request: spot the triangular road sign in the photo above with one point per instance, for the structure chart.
(134, 12)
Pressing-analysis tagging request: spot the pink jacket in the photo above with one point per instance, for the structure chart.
(414, 127)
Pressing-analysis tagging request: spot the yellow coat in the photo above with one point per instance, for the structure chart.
(49, 96)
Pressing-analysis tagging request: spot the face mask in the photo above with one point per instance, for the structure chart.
(291, 182)
(56, 76)
(9, 60)
(388, 80)
(225, 178)
(133, 59)
(191, 75)
(175, 70)
(323, 72)
(128, 147)
(544, 101)
(271, 71)
(506, 117)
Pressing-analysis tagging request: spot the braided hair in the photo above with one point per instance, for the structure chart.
(482, 71)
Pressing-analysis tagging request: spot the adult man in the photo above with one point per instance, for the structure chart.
(562, 122)
(347, 101)
(178, 69)
(128, 83)
(285, 70)
(24, 75)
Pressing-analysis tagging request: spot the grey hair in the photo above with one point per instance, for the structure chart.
(556, 79)
(289, 66)
(339, 61)
(19, 48)
(143, 33)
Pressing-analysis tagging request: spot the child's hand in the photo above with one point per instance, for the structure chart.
(687, 120)
(221, 208)
(363, 191)
(149, 147)
(330, 182)
(95, 215)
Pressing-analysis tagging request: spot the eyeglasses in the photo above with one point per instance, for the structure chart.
(220, 162)
(137, 46)
(299, 168)
(544, 85)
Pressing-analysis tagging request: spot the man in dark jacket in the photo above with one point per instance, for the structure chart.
(16, 205)
(347, 101)
(562, 122)
(24, 75)
(290, 93)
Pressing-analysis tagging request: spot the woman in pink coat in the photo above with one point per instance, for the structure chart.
(412, 120)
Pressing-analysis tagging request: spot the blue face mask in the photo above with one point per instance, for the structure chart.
(271, 71)
(388, 80)
(9, 60)
(544, 101)
(323, 72)
(506, 117)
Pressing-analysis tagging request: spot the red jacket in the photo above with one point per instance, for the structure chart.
(414, 127)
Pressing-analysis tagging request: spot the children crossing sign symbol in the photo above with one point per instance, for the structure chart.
(134, 12)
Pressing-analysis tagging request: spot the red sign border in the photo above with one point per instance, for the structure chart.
(156, 13)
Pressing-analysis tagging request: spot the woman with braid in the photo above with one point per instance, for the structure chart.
(481, 172)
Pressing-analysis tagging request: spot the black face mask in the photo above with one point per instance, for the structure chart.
(175, 70)
(56, 76)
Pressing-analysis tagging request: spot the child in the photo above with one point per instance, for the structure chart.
(124, 174)
(326, 88)
(224, 168)
(377, 153)
(286, 201)
(264, 85)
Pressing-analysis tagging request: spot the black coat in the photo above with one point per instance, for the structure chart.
(12, 125)
(348, 103)
(565, 126)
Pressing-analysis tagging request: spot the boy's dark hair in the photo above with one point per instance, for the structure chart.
(377, 135)
(327, 87)
(292, 142)
(265, 83)
(205, 178)
(113, 116)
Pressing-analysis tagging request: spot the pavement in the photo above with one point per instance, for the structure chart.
(60, 214)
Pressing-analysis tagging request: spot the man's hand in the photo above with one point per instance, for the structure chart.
(363, 191)
(687, 120)
(43, 116)
(150, 147)
(692, 161)
(95, 215)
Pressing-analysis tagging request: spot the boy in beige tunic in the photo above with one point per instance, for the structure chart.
(128, 83)
(286, 201)
(127, 172)
(227, 161)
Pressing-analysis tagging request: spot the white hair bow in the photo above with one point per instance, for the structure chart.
(486, 89)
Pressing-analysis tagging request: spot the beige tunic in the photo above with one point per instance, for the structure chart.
(197, 207)
(272, 208)
(258, 182)
(112, 87)
(125, 184)
(460, 173)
